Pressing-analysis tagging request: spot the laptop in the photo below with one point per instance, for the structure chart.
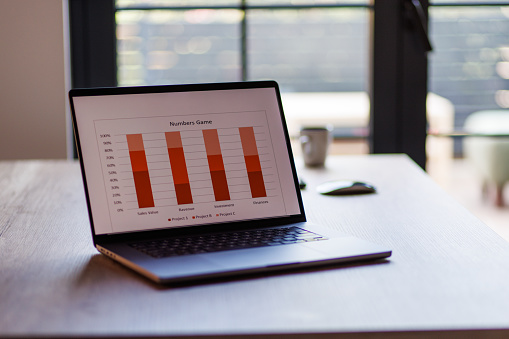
(188, 182)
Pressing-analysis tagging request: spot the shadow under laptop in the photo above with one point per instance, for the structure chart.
(102, 270)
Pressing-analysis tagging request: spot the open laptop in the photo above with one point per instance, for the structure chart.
(189, 182)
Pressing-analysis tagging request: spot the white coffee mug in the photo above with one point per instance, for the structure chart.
(315, 143)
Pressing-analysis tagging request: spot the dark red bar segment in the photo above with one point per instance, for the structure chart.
(140, 170)
(184, 195)
(219, 183)
(144, 195)
(257, 184)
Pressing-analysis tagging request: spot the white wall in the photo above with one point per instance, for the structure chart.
(33, 79)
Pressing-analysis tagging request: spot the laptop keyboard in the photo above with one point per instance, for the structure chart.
(225, 241)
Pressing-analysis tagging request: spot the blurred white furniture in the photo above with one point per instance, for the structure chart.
(351, 110)
(488, 149)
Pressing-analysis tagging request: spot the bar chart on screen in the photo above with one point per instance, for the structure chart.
(189, 169)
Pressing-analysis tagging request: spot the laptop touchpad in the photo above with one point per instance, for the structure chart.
(265, 256)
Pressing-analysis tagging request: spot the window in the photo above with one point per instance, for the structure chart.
(308, 46)
(312, 49)
(470, 62)
(169, 46)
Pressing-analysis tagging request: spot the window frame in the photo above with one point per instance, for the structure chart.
(398, 82)
(93, 54)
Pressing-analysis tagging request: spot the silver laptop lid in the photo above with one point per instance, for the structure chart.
(168, 157)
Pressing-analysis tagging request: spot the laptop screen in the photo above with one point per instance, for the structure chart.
(157, 159)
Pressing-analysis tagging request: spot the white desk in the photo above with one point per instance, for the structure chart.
(448, 272)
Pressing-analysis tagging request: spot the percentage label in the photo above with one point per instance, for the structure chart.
(117, 202)
(110, 157)
(105, 135)
(110, 165)
(120, 210)
(114, 180)
(108, 150)
(115, 187)
(106, 142)
(112, 172)
(115, 195)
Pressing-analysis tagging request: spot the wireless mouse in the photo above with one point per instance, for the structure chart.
(345, 187)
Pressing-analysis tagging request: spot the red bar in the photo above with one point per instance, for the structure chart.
(220, 185)
(178, 165)
(140, 170)
(257, 184)
(216, 165)
(178, 168)
(248, 140)
(253, 166)
(144, 195)
(253, 163)
(183, 192)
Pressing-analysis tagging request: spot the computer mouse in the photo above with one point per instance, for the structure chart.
(345, 187)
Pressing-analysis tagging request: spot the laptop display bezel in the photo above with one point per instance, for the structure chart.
(207, 228)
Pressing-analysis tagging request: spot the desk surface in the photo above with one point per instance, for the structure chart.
(448, 270)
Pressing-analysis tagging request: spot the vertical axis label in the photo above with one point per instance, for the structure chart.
(178, 168)
(140, 170)
(216, 164)
(254, 169)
